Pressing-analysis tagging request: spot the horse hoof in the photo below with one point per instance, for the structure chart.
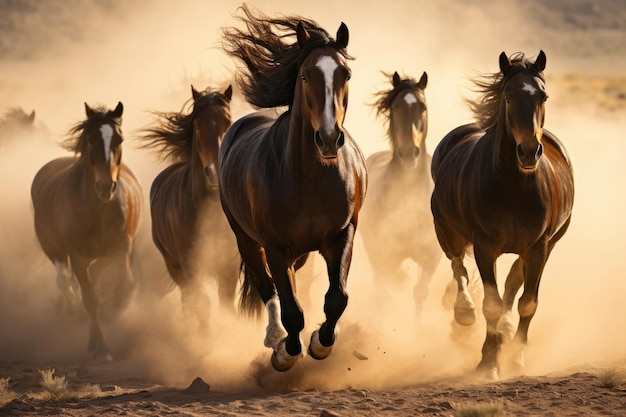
(465, 316)
(488, 374)
(316, 349)
(282, 361)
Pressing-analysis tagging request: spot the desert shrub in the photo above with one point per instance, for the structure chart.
(491, 409)
(612, 378)
(57, 389)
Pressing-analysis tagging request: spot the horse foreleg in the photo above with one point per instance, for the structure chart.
(492, 310)
(514, 281)
(289, 349)
(97, 347)
(464, 307)
(422, 287)
(527, 304)
(338, 256)
(69, 287)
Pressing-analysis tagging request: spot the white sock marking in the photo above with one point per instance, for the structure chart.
(107, 135)
(328, 67)
(530, 89)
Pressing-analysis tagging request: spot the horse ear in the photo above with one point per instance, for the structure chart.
(505, 63)
(423, 81)
(118, 110)
(194, 93)
(88, 111)
(302, 34)
(342, 36)
(395, 79)
(31, 117)
(540, 62)
(228, 93)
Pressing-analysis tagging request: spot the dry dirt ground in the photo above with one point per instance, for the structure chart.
(56, 55)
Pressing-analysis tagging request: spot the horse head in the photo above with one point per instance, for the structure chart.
(211, 119)
(408, 119)
(523, 97)
(323, 88)
(104, 146)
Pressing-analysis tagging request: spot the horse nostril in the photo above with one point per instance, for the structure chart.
(520, 151)
(341, 140)
(416, 152)
(113, 187)
(539, 151)
(318, 140)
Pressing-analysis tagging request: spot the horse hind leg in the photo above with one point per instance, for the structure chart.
(515, 279)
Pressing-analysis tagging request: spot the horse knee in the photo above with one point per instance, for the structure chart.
(526, 307)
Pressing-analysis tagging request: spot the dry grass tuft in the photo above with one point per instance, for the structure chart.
(492, 409)
(57, 389)
(6, 396)
(612, 378)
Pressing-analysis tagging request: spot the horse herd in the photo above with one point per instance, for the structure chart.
(272, 188)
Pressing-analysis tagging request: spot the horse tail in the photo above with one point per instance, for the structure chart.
(250, 301)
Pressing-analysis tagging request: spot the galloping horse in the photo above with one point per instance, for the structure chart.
(16, 122)
(397, 211)
(295, 183)
(188, 225)
(87, 210)
(504, 185)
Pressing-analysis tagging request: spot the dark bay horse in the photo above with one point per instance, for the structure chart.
(87, 210)
(188, 225)
(295, 183)
(504, 185)
(396, 221)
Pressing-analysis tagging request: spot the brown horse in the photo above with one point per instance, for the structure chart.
(188, 225)
(503, 185)
(16, 123)
(295, 183)
(397, 211)
(87, 210)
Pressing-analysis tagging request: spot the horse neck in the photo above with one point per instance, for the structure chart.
(86, 180)
(504, 162)
(198, 188)
(301, 154)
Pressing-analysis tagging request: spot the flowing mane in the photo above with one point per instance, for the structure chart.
(173, 138)
(486, 108)
(271, 54)
(385, 98)
(77, 135)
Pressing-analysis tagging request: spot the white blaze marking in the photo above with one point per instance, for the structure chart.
(410, 99)
(107, 135)
(328, 67)
(530, 89)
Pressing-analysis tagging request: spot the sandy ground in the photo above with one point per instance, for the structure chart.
(57, 55)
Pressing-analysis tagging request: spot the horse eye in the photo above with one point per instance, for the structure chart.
(348, 77)
(303, 78)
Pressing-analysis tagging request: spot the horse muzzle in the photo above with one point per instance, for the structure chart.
(329, 147)
(210, 174)
(528, 156)
(106, 190)
(409, 156)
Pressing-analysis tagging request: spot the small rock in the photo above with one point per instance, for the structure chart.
(359, 356)
(198, 386)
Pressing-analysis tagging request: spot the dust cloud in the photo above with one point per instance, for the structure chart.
(57, 55)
